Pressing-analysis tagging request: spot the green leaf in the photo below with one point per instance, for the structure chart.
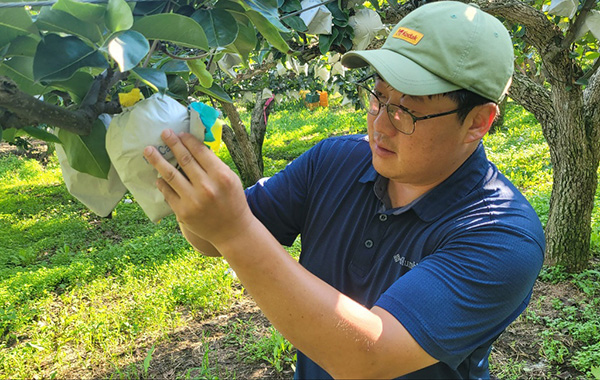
(178, 87)
(23, 46)
(245, 42)
(296, 23)
(20, 69)
(77, 86)
(152, 77)
(128, 48)
(215, 91)
(54, 20)
(118, 15)
(149, 7)
(87, 12)
(219, 25)
(87, 154)
(174, 28)
(267, 9)
(290, 6)
(198, 67)
(268, 31)
(9, 134)
(14, 22)
(58, 58)
(41, 134)
(175, 66)
(325, 41)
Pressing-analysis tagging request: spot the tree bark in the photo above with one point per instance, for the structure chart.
(570, 122)
(19, 109)
(258, 128)
(238, 143)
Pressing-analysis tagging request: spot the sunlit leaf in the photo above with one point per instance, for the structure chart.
(87, 154)
(245, 41)
(58, 58)
(198, 67)
(267, 9)
(172, 27)
(14, 22)
(87, 12)
(118, 15)
(128, 48)
(270, 32)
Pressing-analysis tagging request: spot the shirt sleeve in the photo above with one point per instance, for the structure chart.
(279, 201)
(466, 293)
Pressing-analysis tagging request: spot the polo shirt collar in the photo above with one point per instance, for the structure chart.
(434, 203)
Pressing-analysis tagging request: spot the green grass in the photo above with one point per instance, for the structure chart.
(82, 295)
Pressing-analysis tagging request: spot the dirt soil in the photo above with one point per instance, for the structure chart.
(183, 354)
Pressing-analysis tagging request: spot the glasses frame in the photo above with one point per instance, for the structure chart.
(361, 84)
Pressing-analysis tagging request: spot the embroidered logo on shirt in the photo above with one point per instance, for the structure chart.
(405, 263)
(408, 35)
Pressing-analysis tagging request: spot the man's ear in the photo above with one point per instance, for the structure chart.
(480, 120)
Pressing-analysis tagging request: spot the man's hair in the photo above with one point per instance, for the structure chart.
(466, 100)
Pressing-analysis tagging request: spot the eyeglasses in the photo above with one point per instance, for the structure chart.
(400, 117)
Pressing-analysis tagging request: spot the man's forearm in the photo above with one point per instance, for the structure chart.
(198, 243)
(342, 336)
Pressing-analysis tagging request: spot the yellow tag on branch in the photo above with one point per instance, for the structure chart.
(128, 99)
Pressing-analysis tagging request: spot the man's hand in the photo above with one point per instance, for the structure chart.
(210, 202)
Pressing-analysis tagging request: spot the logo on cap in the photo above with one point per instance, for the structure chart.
(408, 35)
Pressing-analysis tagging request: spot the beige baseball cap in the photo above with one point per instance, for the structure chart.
(441, 47)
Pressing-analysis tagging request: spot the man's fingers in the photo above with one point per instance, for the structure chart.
(168, 172)
(167, 191)
(184, 155)
(202, 154)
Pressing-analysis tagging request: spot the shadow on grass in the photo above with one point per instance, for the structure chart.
(213, 348)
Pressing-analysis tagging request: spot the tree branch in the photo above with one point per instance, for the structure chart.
(22, 110)
(591, 100)
(539, 31)
(576, 26)
(532, 96)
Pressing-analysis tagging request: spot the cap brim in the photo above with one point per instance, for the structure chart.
(399, 72)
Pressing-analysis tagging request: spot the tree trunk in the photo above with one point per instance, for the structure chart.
(245, 149)
(570, 122)
(575, 180)
(258, 128)
(499, 122)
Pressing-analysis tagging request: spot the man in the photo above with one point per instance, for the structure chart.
(416, 252)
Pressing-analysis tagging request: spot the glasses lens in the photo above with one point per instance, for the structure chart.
(400, 119)
(367, 100)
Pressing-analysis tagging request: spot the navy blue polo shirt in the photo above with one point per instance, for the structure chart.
(455, 267)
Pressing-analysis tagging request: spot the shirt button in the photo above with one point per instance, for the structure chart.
(369, 243)
(383, 217)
